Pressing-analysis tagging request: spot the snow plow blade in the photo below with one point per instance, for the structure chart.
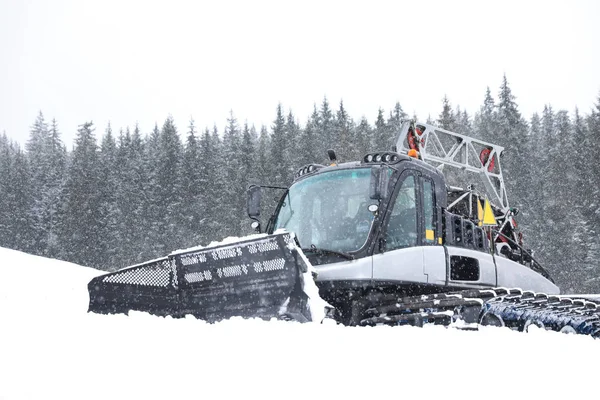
(260, 277)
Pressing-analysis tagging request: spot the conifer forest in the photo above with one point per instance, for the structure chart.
(119, 196)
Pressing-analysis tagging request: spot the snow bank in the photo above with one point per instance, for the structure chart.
(52, 349)
(32, 285)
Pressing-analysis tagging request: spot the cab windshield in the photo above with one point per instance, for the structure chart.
(329, 211)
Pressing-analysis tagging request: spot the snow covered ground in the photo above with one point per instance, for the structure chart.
(51, 348)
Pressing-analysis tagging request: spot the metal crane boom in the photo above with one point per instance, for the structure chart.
(441, 147)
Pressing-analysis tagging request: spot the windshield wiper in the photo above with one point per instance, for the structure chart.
(314, 249)
(291, 211)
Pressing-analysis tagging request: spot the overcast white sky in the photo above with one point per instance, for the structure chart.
(139, 61)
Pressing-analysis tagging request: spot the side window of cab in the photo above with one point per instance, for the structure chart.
(429, 211)
(401, 228)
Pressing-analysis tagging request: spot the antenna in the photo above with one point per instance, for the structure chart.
(332, 156)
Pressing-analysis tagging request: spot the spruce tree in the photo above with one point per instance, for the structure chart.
(447, 119)
(21, 199)
(509, 118)
(510, 123)
(37, 154)
(345, 141)
(36, 147)
(191, 189)
(325, 127)
(531, 211)
(211, 187)
(152, 209)
(567, 213)
(56, 174)
(463, 122)
(5, 172)
(247, 157)
(170, 191)
(394, 122)
(548, 160)
(293, 147)
(131, 196)
(484, 123)
(80, 230)
(307, 150)
(380, 135)
(316, 150)
(579, 144)
(263, 156)
(364, 137)
(278, 149)
(233, 191)
(247, 176)
(109, 213)
(513, 135)
(589, 151)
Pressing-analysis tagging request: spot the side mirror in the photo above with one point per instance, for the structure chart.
(253, 205)
(379, 183)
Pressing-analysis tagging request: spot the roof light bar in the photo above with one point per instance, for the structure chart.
(383, 157)
(307, 169)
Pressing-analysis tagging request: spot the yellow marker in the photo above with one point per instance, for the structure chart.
(479, 213)
(488, 214)
(429, 235)
(439, 240)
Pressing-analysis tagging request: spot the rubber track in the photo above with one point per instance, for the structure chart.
(513, 308)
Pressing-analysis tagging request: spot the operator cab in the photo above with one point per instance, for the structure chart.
(357, 209)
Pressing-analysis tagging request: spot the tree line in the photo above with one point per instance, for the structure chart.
(122, 198)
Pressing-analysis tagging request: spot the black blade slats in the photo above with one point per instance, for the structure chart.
(253, 278)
